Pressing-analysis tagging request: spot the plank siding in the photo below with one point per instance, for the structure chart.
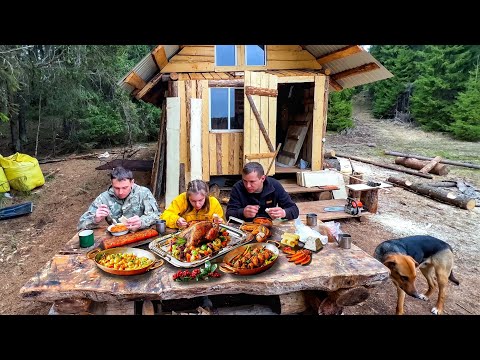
(205, 130)
(318, 127)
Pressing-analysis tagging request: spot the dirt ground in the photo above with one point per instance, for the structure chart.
(28, 242)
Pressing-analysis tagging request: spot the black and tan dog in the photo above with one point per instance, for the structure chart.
(433, 256)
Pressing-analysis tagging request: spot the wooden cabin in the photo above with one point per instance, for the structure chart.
(225, 105)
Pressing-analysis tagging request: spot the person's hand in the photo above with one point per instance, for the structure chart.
(217, 219)
(134, 223)
(250, 211)
(181, 223)
(276, 212)
(102, 212)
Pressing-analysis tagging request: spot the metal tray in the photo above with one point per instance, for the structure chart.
(237, 238)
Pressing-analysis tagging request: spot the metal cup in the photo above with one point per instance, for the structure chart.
(86, 238)
(312, 219)
(345, 241)
(160, 226)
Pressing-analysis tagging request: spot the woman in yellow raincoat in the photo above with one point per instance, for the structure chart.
(193, 205)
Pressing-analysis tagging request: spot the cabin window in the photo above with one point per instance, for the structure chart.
(226, 108)
(225, 55)
(255, 55)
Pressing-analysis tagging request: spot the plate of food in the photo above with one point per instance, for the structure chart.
(198, 243)
(118, 229)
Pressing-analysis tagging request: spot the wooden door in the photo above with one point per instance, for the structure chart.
(255, 146)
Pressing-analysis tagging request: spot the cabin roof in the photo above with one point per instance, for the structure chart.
(348, 66)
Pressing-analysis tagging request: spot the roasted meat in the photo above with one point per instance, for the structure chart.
(197, 233)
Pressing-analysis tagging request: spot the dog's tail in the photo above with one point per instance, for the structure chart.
(453, 279)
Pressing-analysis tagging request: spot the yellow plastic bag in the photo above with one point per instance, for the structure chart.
(22, 171)
(4, 185)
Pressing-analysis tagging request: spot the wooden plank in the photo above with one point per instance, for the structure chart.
(430, 165)
(198, 50)
(250, 90)
(223, 76)
(295, 79)
(207, 76)
(290, 55)
(196, 139)
(335, 85)
(238, 153)
(330, 269)
(260, 122)
(319, 121)
(213, 154)
(271, 48)
(160, 57)
(354, 71)
(225, 148)
(192, 67)
(263, 144)
(135, 80)
(188, 59)
(218, 150)
(272, 118)
(215, 76)
(241, 55)
(318, 207)
(196, 76)
(248, 118)
(260, 156)
(183, 77)
(173, 148)
(231, 153)
(183, 147)
(298, 64)
(205, 131)
(339, 54)
(149, 86)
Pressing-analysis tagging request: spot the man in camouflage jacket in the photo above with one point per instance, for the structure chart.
(123, 198)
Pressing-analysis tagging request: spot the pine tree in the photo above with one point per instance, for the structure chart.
(466, 112)
(443, 73)
(340, 110)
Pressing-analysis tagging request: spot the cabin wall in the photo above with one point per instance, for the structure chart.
(222, 153)
(201, 58)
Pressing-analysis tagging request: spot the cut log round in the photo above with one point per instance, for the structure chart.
(438, 169)
(437, 194)
(292, 303)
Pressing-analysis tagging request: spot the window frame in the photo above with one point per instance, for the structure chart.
(235, 56)
(264, 56)
(217, 131)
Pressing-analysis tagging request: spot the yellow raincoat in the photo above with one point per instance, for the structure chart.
(179, 206)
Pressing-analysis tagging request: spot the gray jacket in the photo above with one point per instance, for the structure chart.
(139, 202)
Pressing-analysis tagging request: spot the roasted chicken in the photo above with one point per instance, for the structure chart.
(200, 232)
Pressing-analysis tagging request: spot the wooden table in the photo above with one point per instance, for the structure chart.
(334, 278)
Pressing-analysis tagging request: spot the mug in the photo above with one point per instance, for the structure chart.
(345, 241)
(312, 219)
(86, 238)
(160, 226)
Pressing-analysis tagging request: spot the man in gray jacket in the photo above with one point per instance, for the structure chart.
(123, 198)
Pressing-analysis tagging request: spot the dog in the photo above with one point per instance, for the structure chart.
(433, 256)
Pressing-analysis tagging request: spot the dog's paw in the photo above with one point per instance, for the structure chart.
(435, 311)
(423, 297)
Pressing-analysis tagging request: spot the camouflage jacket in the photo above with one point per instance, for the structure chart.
(139, 202)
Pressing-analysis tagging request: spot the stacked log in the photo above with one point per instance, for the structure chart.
(461, 201)
(438, 169)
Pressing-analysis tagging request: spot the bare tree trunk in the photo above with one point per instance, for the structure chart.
(22, 120)
(38, 127)
(128, 121)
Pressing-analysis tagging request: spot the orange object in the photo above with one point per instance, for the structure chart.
(129, 238)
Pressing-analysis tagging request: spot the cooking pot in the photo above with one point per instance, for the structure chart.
(97, 254)
(227, 266)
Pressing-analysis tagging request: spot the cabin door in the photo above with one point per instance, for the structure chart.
(259, 136)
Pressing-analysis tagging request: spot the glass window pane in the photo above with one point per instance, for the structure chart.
(219, 108)
(255, 54)
(225, 55)
(236, 121)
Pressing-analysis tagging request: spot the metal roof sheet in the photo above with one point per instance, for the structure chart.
(147, 68)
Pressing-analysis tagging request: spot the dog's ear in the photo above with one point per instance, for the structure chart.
(416, 263)
(390, 262)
